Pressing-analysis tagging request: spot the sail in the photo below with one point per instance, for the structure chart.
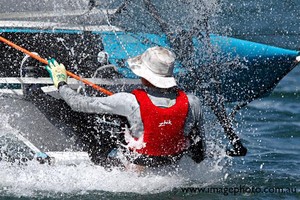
(131, 15)
(77, 14)
(154, 16)
(76, 31)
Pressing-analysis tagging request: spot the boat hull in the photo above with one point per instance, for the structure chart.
(237, 69)
(249, 70)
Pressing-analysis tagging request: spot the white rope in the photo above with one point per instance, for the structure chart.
(23, 61)
(102, 68)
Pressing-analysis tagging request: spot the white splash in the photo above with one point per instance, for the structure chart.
(35, 179)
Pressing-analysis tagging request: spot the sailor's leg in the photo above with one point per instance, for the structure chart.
(106, 140)
(197, 149)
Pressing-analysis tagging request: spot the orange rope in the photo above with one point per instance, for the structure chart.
(42, 60)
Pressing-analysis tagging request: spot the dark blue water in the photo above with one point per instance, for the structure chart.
(269, 127)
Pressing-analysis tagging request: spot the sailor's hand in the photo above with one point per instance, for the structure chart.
(57, 72)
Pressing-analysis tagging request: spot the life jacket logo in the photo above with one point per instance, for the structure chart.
(164, 123)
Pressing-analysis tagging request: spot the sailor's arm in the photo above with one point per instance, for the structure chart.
(197, 134)
(119, 103)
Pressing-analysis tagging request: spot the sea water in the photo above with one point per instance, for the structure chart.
(269, 127)
(34, 180)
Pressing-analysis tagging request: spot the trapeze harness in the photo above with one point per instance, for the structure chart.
(163, 130)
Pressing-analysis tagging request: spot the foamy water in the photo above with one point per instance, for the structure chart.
(36, 179)
(33, 179)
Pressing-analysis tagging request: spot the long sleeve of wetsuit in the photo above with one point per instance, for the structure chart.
(120, 103)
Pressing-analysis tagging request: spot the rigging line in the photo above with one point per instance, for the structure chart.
(151, 14)
(139, 7)
(140, 22)
(140, 38)
(151, 10)
(91, 5)
(120, 9)
(154, 13)
(166, 27)
(115, 33)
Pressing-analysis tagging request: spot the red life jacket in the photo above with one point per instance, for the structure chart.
(163, 127)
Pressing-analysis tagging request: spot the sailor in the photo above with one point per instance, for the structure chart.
(164, 122)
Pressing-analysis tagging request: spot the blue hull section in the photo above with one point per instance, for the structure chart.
(261, 67)
(256, 71)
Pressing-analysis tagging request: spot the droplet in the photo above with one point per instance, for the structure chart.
(226, 176)
(261, 166)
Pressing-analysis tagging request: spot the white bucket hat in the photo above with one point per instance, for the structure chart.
(155, 65)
